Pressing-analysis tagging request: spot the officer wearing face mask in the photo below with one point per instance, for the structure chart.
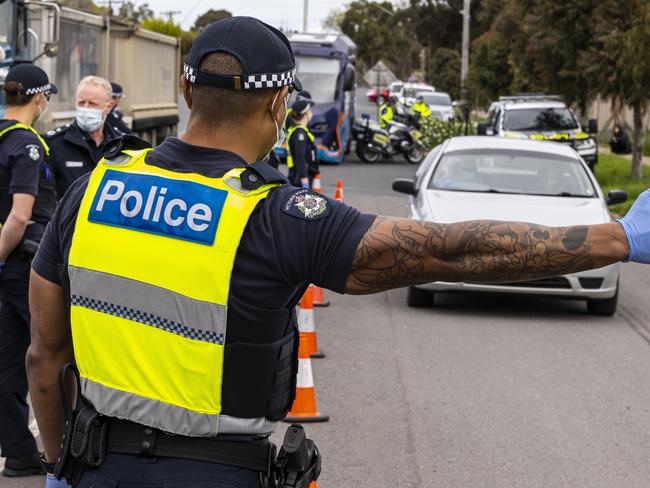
(27, 201)
(76, 148)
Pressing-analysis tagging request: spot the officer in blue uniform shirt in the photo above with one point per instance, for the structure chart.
(27, 201)
(116, 117)
(76, 148)
(237, 81)
(301, 150)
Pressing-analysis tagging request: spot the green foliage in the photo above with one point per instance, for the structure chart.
(435, 131)
(210, 17)
(444, 71)
(87, 5)
(613, 173)
(163, 26)
(139, 14)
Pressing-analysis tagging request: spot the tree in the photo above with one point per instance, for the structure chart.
(210, 17)
(557, 32)
(444, 71)
(163, 26)
(138, 14)
(333, 20)
(617, 63)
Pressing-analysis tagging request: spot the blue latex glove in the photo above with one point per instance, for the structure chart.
(636, 225)
(52, 482)
(305, 184)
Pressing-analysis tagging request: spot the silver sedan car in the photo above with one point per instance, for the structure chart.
(469, 178)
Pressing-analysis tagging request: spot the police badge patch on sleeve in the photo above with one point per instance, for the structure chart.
(306, 205)
(33, 152)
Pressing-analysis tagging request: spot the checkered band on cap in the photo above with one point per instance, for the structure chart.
(251, 82)
(38, 89)
(270, 80)
(189, 73)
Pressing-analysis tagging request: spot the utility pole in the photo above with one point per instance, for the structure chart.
(305, 12)
(170, 14)
(464, 67)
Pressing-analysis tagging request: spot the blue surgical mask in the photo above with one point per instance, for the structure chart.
(89, 119)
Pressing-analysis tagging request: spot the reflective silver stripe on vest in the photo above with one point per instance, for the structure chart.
(147, 304)
(152, 413)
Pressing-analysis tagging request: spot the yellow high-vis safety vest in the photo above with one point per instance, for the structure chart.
(18, 125)
(150, 269)
(290, 132)
(422, 109)
(385, 115)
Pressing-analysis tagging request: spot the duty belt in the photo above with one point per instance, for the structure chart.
(129, 438)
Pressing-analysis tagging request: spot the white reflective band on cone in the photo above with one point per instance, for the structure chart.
(306, 320)
(305, 376)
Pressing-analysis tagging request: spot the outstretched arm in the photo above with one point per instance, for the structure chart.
(399, 252)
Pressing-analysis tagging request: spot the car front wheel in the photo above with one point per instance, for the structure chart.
(605, 308)
(416, 297)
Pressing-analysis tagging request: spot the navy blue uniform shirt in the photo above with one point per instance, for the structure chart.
(73, 153)
(286, 243)
(116, 120)
(23, 169)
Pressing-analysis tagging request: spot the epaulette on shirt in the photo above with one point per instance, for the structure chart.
(58, 131)
(261, 173)
(125, 142)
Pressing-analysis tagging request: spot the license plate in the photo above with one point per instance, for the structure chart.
(380, 139)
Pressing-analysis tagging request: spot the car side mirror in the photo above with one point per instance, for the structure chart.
(404, 185)
(593, 126)
(616, 196)
(481, 129)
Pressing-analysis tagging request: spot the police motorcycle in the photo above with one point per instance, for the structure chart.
(374, 143)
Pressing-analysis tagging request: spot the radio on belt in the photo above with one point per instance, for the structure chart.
(157, 205)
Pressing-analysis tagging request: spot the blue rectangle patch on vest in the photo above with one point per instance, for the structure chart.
(167, 207)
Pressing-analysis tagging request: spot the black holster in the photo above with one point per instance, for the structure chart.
(83, 443)
(299, 461)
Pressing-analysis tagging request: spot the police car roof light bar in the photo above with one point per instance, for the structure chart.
(530, 97)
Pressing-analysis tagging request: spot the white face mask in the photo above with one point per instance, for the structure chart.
(280, 135)
(89, 119)
(41, 111)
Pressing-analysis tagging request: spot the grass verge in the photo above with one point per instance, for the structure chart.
(613, 173)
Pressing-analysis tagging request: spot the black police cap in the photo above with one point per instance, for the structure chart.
(263, 51)
(301, 105)
(33, 79)
(117, 89)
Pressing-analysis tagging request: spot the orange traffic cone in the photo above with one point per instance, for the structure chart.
(306, 324)
(315, 185)
(338, 194)
(319, 297)
(304, 406)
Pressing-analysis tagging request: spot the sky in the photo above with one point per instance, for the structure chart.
(279, 13)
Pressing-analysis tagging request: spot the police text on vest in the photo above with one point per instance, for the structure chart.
(164, 206)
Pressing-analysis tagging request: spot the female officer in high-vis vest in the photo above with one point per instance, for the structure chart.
(301, 151)
(27, 202)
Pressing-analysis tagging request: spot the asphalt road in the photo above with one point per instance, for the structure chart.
(480, 391)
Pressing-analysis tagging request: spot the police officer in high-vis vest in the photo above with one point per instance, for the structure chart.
(386, 112)
(116, 118)
(171, 275)
(27, 201)
(301, 150)
(420, 108)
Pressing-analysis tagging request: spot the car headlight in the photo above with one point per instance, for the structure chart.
(588, 143)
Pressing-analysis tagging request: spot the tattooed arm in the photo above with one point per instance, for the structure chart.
(399, 252)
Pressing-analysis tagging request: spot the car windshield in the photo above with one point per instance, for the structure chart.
(318, 76)
(540, 119)
(435, 98)
(412, 92)
(518, 172)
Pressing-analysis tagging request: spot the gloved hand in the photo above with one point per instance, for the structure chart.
(305, 182)
(636, 225)
(52, 482)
